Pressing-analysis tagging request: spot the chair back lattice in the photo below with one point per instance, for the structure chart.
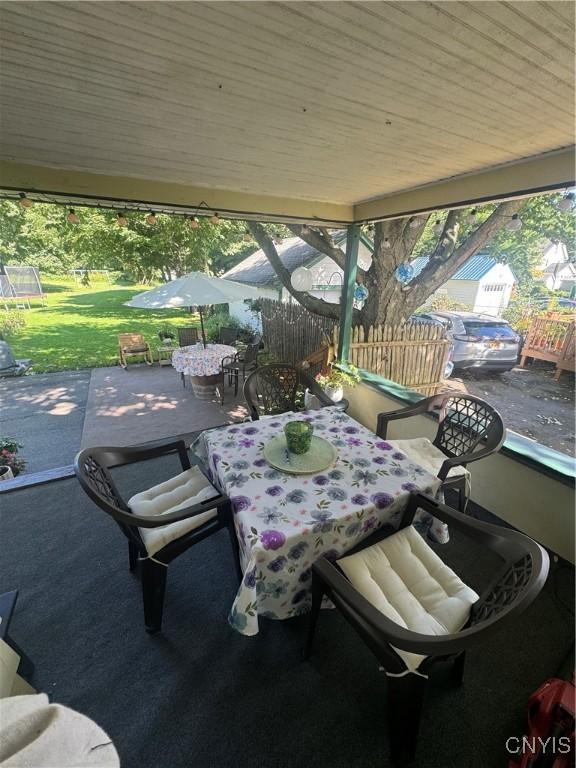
(98, 484)
(465, 422)
(505, 592)
(272, 389)
(187, 336)
(228, 336)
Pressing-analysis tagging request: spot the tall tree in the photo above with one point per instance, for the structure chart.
(448, 239)
(42, 236)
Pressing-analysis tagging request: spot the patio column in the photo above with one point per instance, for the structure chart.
(349, 283)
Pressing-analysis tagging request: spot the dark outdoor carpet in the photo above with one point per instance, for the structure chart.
(200, 695)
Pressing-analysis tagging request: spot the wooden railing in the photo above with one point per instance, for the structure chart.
(412, 355)
(551, 339)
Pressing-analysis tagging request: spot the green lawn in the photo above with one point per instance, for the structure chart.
(79, 326)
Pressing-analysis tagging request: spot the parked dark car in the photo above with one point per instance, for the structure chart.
(480, 341)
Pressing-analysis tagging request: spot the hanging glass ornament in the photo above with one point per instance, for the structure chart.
(301, 279)
(360, 293)
(404, 273)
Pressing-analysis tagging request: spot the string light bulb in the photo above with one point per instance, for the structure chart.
(514, 224)
(472, 217)
(193, 222)
(72, 217)
(121, 219)
(215, 219)
(247, 236)
(24, 201)
(566, 203)
(438, 227)
(414, 223)
(151, 218)
(386, 243)
(305, 229)
(278, 240)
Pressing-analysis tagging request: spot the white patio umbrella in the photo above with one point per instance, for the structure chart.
(193, 290)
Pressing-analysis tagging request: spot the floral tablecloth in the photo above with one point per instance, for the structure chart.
(285, 522)
(197, 361)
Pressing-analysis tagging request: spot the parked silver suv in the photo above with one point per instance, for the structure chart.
(480, 341)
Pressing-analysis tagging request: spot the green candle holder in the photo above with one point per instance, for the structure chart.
(298, 436)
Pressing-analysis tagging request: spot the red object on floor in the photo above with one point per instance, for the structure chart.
(549, 742)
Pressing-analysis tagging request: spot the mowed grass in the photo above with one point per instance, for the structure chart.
(79, 326)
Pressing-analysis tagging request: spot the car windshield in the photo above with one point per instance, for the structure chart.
(489, 330)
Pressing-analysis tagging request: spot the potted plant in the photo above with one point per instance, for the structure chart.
(167, 335)
(336, 379)
(9, 458)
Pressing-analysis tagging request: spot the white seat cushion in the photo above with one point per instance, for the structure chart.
(406, 580)
(184, 490)
(423, 452)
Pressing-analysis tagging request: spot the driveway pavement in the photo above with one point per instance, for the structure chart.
(45, 413)
(531, 402)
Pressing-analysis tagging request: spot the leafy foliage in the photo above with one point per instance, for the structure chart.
(542, 223)
(41, 236)
(9, 455)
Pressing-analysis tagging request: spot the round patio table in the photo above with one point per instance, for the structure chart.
(202, 365)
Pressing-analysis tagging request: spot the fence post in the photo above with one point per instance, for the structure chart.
(349, 283)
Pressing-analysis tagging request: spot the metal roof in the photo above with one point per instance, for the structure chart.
(474, 269)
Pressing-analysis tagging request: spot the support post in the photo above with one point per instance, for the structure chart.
(349, 283)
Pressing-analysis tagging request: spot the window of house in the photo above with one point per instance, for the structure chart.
(495, 287)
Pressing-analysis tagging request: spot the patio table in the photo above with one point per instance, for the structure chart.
(285, 522)
(202, 365)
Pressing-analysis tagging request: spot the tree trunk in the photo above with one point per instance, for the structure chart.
(388, 300)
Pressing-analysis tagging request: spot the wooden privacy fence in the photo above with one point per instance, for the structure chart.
(413, 355)
(291, 332)
(551, 339)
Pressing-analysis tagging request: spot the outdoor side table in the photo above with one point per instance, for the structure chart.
(165, 355)
(204, 366)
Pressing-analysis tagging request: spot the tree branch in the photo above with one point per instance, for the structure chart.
(322, 241)
(318, 306)
(437, 271)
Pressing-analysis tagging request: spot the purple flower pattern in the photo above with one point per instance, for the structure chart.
(286, 522)
(272, 539)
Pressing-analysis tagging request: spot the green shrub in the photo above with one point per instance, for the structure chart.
(221, 318)
(12, 320)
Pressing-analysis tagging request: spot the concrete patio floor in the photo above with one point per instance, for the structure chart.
(54, 415)
(143, 403)
(46, 414)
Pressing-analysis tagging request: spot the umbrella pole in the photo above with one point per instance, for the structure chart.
(202, 327)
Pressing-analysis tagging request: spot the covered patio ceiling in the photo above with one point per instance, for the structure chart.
(333, 111)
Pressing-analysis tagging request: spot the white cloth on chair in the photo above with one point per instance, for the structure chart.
(185, 490)
(405, 579)
(425, 453)
(37, 734)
